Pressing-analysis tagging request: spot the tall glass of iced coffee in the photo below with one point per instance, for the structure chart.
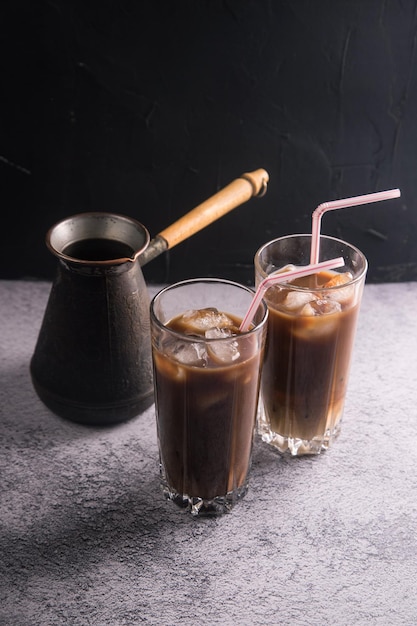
(311, 332)
(206, 379)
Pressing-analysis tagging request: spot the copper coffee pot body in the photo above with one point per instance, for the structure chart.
(92, 360)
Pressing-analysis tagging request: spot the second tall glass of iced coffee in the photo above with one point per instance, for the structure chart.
(311, 332)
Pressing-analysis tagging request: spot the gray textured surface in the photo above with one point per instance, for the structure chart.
(86, 538)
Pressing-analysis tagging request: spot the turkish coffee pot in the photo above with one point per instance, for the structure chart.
(92, 361)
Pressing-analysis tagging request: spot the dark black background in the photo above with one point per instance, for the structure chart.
(149, 107)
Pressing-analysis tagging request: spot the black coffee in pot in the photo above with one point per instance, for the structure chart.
(98, 249)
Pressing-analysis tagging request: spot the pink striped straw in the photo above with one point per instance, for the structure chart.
(282, 277)
(342, 204)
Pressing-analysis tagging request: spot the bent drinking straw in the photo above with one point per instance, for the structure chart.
(282, 277)
(342, 204)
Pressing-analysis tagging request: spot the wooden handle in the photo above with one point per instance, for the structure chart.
(228, 198)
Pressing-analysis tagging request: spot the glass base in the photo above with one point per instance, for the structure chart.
(294, 446)
(200, 507)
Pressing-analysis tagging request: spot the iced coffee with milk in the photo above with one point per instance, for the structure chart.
(311, 333)
(206, 378)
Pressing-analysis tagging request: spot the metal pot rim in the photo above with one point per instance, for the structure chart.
(97, 225)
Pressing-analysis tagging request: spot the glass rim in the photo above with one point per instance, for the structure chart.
(224, 281)
(354, 280)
